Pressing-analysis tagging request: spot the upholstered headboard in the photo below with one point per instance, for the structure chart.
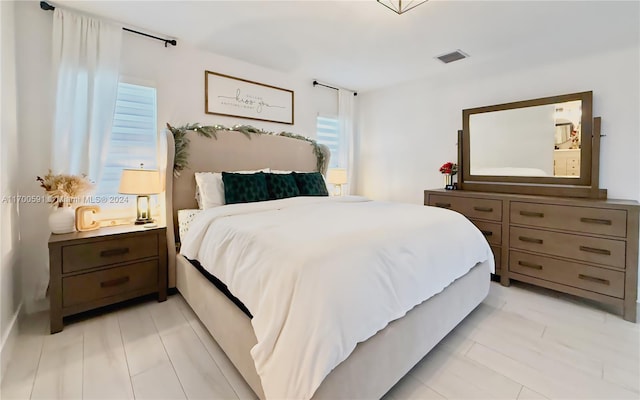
(231, 151)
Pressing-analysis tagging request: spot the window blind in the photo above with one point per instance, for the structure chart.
(133, 136)
(328, 133)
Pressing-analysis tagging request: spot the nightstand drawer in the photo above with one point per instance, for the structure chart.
(600, 280)
(97, 285)
(469, 207)
(90, 255)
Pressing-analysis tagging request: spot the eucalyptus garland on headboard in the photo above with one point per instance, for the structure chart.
(182, 141)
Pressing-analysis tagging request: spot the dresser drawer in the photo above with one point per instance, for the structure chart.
(89, 255)
(600, 280)
(596, 250)
(490, 230)
(84, 288)
(469, 207)
(600, 221)
(497, 256)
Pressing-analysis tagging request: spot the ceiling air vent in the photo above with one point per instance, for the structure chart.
(453, 56)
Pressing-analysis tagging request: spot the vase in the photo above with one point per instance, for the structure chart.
(62, 220)
(448, 181)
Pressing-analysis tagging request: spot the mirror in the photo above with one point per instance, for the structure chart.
(540, 142)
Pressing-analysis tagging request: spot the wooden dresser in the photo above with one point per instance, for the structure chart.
(588, 248)
(106, 266)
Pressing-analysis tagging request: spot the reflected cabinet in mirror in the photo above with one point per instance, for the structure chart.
(539, 146)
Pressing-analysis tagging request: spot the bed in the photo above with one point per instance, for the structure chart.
(364, 365)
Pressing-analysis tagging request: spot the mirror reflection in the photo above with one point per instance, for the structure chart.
(540, 141)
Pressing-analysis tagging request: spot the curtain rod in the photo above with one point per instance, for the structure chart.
(316, 83)
(48, 7)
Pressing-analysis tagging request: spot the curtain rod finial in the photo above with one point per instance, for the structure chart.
(46, 6)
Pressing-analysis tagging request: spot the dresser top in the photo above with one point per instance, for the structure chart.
(540, 199)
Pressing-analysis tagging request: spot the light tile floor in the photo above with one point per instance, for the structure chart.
(520, 343)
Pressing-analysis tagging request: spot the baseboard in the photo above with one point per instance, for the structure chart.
(9, 341)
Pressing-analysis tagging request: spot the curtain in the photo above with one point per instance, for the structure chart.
(345, 122)
(86, 57)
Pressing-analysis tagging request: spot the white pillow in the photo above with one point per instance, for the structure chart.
(278, 171)
(210, 188)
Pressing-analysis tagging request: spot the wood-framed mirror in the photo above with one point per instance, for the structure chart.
(545, 146)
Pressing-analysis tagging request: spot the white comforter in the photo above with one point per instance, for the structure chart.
(322, 274)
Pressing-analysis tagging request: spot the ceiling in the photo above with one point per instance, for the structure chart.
(363, 45)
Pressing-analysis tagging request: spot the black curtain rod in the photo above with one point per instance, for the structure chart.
(316, 83)
(48, 7)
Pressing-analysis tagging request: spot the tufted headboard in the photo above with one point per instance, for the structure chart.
(231, 151)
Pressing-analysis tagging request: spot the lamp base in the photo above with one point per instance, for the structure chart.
(143, 221)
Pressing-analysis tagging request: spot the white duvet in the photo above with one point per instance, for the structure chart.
(322, 274)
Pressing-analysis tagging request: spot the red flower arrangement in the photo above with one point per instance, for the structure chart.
(449, 168)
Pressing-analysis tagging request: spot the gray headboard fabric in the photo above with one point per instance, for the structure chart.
(231, 151)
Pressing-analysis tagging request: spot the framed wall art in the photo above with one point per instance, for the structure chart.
(237, 97)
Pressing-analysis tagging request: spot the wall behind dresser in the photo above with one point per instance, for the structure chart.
(409, 130)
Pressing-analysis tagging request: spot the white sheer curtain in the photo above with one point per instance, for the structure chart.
(86, 56)
(345, 121)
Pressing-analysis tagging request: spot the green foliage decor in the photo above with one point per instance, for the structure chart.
(182, 141)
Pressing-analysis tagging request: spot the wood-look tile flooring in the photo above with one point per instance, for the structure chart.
(520, 343)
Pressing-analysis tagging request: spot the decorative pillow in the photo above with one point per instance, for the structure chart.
(210, 188)
(244, 188)
(281, 186)
(310, 183)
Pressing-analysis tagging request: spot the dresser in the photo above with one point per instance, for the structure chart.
(587, 248)
(103, 267)
(566, 162)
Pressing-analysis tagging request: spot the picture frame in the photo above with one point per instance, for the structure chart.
(237, 97)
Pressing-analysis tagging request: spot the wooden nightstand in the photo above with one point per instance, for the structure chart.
(106, 266)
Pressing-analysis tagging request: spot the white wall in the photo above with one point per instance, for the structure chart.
(408, 131)
(178, 75)
(10, 288)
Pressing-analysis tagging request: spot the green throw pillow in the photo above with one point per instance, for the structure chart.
(281, 186)
(310, 183)
(244, 188)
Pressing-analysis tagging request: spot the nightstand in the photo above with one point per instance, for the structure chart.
(103, 267)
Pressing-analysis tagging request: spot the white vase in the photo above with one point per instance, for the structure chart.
(62, 220)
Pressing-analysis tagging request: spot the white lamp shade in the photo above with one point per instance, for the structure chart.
(140, 181)
(337, 176)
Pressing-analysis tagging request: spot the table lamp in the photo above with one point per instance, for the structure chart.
(337, 177)
(141, 182)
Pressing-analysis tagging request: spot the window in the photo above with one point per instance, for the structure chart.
(133, 136)
(328, 133)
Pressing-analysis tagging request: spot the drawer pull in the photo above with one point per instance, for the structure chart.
(487, 233)
(114, 252)
(530, 265)
(114, 282)
(596, 251)
(530, 240)
(532, 214)
(443, 205)
(594, 279)
(596, 221)
(483, 209)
